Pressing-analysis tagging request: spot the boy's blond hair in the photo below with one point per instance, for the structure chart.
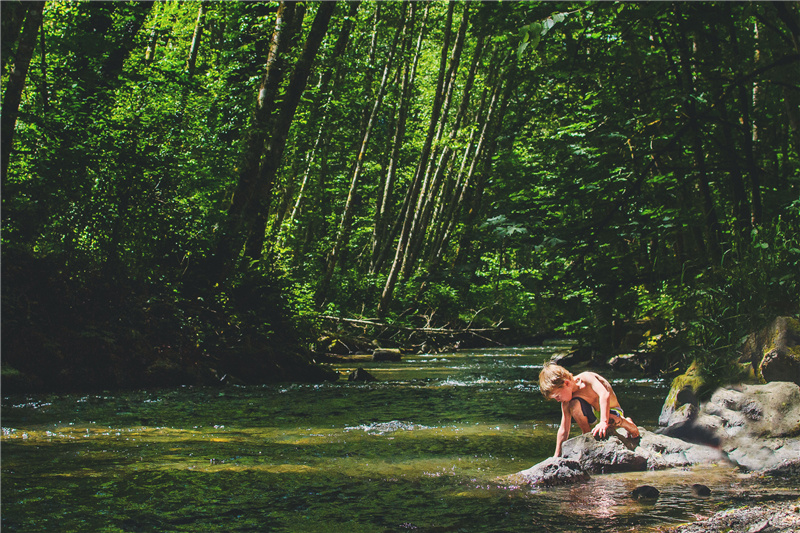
(552, 377)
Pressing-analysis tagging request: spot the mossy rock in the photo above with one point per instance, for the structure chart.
(774, 352)
(685, 389)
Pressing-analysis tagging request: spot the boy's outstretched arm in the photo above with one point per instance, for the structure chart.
(563, 429)
(603, 397)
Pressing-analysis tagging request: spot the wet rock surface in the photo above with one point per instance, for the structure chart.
(645, 492)
(755, 427)
(551, 472)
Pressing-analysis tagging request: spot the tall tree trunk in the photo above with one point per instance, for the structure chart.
(197, 38)
(740, 207)
(259, 209)
(16, 82)
(448, 204)
(232, 235)
(712, 226)
(464, 182)
(483, 156)
(112, 66)
(758, 104)
(791, 98)
(322, 108)
(437, 169)
(152, 43)
(12, 17)
(44, 90)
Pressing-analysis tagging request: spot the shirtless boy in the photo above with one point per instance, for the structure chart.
(585, 397)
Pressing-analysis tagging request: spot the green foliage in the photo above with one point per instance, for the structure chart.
(531, 34)
(639, 165)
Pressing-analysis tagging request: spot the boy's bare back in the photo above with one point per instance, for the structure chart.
(588, 392)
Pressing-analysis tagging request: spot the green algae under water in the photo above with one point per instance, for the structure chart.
(422, 449)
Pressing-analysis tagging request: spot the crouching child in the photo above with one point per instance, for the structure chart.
(587, 398)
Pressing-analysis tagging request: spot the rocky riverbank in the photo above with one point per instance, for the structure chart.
(752, 428)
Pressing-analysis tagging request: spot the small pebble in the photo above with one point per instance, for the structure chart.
(700, 490)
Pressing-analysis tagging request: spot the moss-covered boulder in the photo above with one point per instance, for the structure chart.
(774, 352)
(685, 390)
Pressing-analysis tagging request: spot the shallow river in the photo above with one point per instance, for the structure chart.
(420, 450)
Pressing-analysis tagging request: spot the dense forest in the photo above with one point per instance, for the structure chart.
(198, 191)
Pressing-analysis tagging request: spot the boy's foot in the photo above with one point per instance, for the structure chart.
(628, 425)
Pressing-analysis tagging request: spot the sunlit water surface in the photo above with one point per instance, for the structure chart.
(422, 449)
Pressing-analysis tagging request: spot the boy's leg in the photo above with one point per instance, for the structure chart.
(579, 416)
(625, 423)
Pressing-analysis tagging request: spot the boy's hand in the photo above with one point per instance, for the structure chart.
(600, 430)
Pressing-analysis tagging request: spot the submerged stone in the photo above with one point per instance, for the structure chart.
(387, 354)
(645, 492)
(359, 374)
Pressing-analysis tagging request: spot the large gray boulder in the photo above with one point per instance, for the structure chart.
(617, 453)
(756, 426)
(649, 452)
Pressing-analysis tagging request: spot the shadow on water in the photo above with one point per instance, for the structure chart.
(422, 449)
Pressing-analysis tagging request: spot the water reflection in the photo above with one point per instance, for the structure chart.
(422, 448)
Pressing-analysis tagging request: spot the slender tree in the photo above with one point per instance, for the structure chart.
(12, 96)
(434, 173)
(232, 236)
(419, 176)
(385, 229)
(197, 38)
(342, 234)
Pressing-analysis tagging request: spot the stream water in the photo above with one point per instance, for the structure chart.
(419, 450)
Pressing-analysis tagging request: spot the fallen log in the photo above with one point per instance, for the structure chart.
(441, 331)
